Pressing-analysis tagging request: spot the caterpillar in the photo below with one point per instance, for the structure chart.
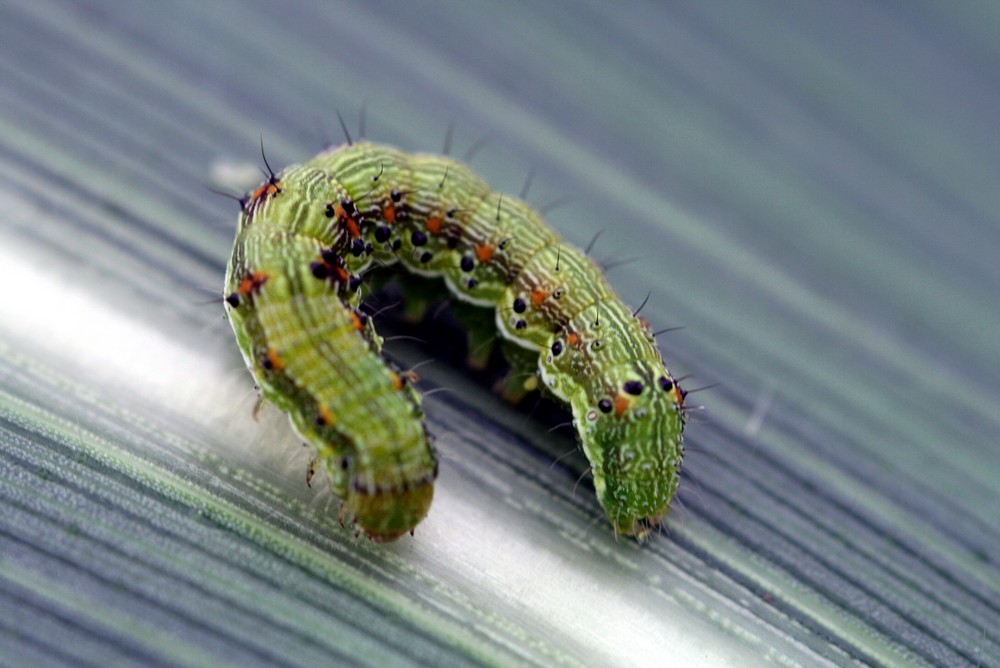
(306, 240)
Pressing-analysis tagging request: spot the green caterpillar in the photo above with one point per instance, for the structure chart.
(307, 235)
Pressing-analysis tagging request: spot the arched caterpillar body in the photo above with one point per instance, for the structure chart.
(308, 234)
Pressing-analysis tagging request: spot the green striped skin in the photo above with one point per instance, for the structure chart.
(317, 360)
(371, 204)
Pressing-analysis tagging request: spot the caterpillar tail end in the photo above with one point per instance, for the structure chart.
(640, 528)
(385, 516)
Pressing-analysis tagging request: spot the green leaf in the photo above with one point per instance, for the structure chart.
(809, 189)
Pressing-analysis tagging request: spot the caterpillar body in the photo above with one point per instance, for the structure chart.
(305, 238)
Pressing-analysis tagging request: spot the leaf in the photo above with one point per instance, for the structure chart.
(809, 191)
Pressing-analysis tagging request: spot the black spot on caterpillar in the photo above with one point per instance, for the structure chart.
(308, 234)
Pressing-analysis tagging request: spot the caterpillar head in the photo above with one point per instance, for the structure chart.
(633, 439)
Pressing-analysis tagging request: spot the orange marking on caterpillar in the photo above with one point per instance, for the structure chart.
(274, 360)
(434, 225)
(352, 227)
(348, 221)
(677, 395)
(326, 416)
(622, 404)
(397, 382)
(266, 190)
(573, 339)
(252, 283)
(389, 213)
(356, 321)
(484, 252)
(538, 296)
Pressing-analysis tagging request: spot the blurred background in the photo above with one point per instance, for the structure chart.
(807, 188)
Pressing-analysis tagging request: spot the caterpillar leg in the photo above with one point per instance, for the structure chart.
(418, 297)
(481, 333)
(311, 471)
(521, 378)
(258, 406)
